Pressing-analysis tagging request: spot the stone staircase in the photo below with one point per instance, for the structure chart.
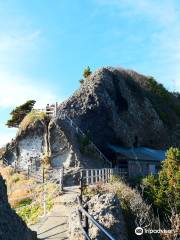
(54, 226)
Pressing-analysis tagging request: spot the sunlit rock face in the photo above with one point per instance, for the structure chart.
(28, 145)
(38, 140)
(113, 106)
(30, 148)
(117, 106)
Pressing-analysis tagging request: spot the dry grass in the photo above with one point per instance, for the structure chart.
(26, 195)
(30, 118)
(136, 211)
(18, 184)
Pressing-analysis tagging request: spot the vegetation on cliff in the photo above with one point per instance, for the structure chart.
(25, 195)
(163, 101)
(18, 114)
(87, 72)
(30, 118)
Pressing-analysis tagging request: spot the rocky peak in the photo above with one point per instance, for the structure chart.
(113, 106)
(117, 106)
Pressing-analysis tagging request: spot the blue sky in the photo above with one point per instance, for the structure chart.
(45, 45)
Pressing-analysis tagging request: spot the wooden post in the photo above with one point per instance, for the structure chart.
(87, 177)
(43, 175)
(99, 174)
(111, 172)
(102, 172)
(96, 176)
(44, 202)
(15, 165)
(104, 175)
(92, 176)
(61, 175)
(77, 130)
(60, 179)
(81, 185)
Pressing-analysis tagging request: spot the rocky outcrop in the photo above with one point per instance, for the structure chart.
(12, 226)
(113, 106)
(39, 139)
(117, 106)
(105, 209)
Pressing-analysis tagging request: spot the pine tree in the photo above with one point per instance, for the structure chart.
(19, 113)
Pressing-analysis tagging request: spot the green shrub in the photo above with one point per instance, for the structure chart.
(87, 72)
(158, 89)
(163, 191)
(165, 103)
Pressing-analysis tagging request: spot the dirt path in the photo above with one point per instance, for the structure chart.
(54, 226)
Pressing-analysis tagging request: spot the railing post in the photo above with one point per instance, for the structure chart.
(111, 172)
(99, 175)
(96, 176)
(44, 202)
(87, 177)
(77, 129)
(43, 175)
(86, 225)
(92, 176)
(15, 165)
(105, 175)
(61, 174)
(81, 185)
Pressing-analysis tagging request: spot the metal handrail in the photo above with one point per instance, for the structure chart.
(98, 225)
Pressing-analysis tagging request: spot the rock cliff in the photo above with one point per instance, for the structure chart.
(112, 106)
(123, 107)
(12, 226)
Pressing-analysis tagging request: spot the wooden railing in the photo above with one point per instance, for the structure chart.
(93, 176)
(50, 111)
(79, 131)
(85, 217)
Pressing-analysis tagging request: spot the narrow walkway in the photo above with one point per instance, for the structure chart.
(54, 226)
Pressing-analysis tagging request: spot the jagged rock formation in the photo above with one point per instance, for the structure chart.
(105, 209)
(12, 226)
(113, 106)
(119, 106)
